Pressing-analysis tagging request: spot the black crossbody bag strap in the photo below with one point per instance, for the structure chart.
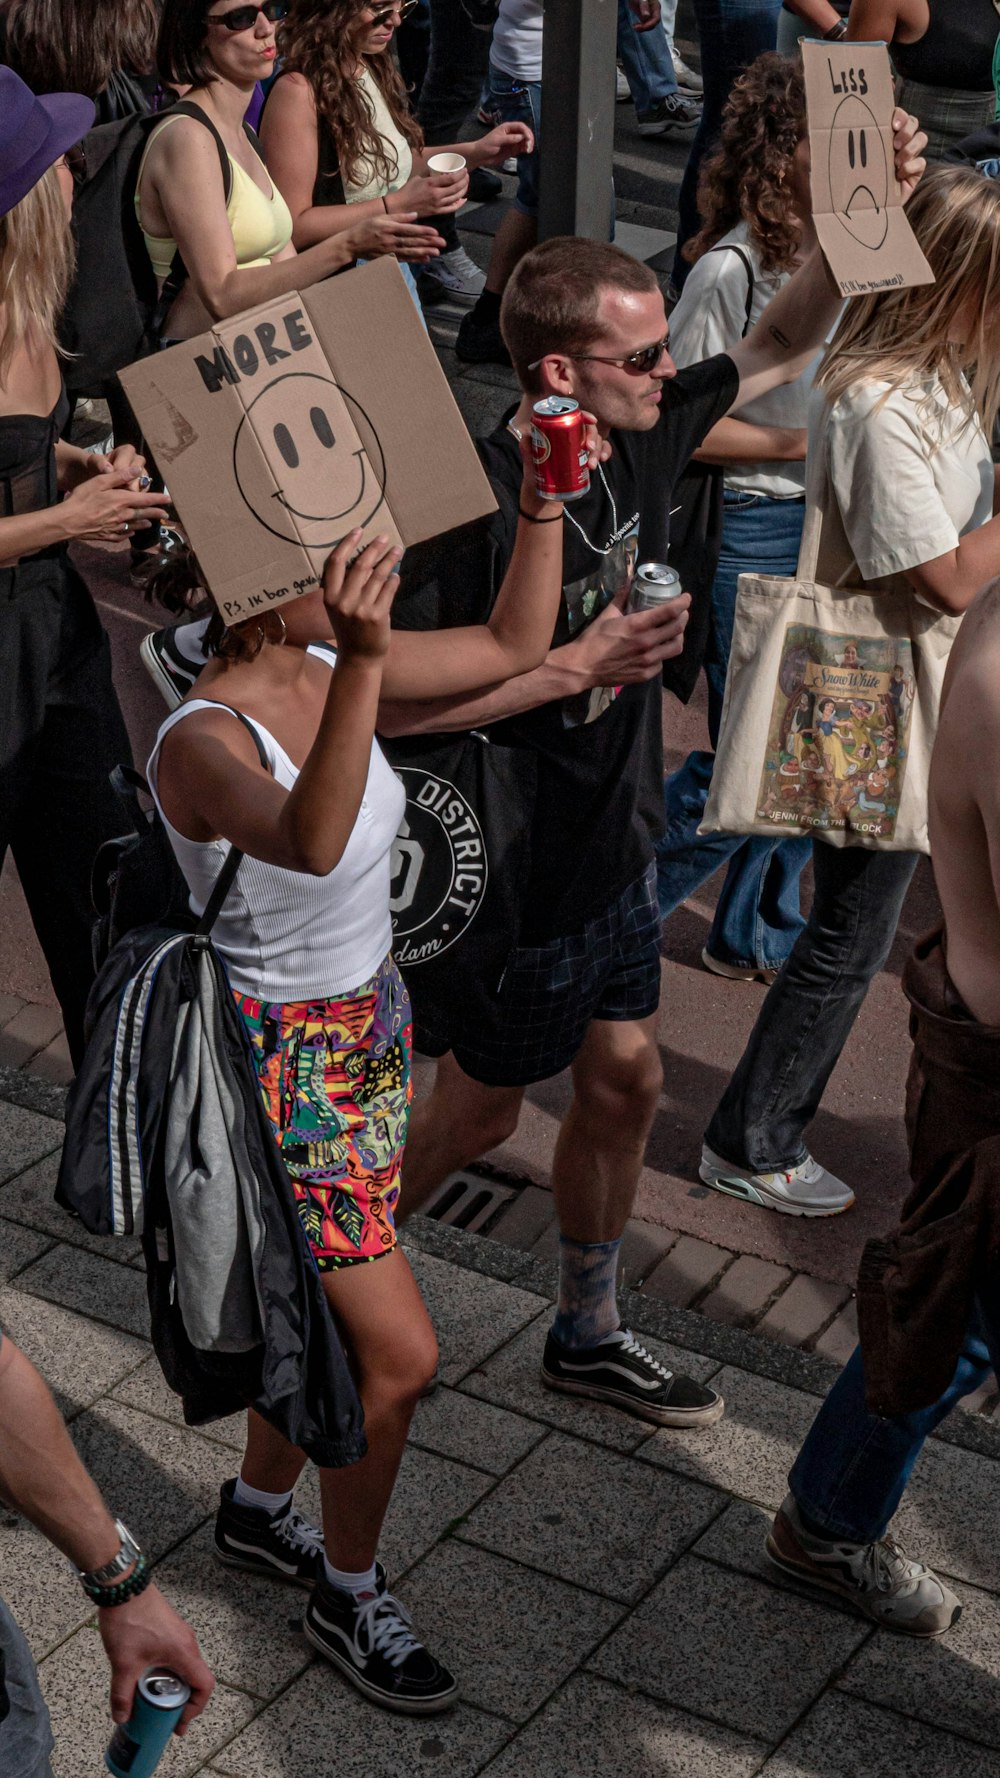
(227, 875)
(742, 254)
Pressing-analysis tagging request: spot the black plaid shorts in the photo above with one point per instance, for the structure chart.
(550, 993)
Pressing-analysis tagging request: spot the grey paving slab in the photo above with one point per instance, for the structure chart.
(79, 1359)
(510, 1634)
(147, 1390)
(949, 1514)
(730, 1648)
(248, 1628)
(592, 1517)
(592, 1728)
(75, 1684)
(953, 1683)
(24, 1138)
(28, 1199)
(750, 1451)
(18, 1247)
(319, 1728)
(457, 1425)
(46, 1599)
(512, 1380)
(92, 1285)
(845, 1738)
(472, 1315)
(162, 1480)
(431, 1495)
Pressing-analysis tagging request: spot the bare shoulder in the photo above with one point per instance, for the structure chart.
(291, 92)
(206, 738)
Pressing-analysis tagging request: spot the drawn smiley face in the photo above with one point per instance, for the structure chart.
(859, 173)
(304, 433)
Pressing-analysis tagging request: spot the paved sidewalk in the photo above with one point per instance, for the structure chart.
(598, 1586)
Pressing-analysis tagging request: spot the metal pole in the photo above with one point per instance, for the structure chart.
(578, 118)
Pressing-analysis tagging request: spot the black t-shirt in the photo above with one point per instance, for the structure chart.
(598, 805)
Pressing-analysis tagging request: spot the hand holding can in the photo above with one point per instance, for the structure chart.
(136, 1747)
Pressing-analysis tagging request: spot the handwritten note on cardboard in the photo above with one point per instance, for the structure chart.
(857, 205)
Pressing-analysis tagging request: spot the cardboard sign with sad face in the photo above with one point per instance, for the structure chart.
(857, 204)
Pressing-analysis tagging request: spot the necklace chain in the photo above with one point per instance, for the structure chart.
(614, 519)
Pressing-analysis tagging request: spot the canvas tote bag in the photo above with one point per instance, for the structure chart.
(831, 701)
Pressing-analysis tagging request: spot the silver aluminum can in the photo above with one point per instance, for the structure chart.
(654, 584)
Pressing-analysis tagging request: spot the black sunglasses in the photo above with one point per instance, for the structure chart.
(244, 18)
(385, 13)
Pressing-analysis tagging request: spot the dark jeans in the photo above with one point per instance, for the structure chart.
(808, 1013)
(456, 68)
(61, 732)
(849, 1476)
(732, 34)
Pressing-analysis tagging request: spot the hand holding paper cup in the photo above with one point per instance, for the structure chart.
(443, 188)
(447, 163)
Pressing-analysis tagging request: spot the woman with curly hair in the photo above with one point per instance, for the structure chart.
(756, 226)
(343, 144)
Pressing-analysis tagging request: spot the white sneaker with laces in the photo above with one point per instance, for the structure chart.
(805, 1190)
(457, 275)
(878, 1579)
(687, 79)
(623, 91)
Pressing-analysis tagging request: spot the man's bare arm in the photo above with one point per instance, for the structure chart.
(618, 648)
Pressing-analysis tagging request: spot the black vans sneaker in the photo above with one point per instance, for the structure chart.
(285, 1547)
(369, 1638)
(622, 1372)
(172, 667)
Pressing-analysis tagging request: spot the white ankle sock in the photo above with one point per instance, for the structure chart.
(244, 1495)
(351, 1583)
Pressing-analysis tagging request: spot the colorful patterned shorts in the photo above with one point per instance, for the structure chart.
(336, 1081)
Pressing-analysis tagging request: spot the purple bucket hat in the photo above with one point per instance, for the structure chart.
(34, 132)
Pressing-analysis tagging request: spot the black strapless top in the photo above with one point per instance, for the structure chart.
(28, 459)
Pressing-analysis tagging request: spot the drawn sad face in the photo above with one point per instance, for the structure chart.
(307, 461)
(859, 173)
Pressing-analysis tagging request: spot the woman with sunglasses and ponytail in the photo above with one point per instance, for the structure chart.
(343, 143)
(238, 251)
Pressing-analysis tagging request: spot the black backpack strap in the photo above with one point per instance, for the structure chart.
(227, 875)
(176, 278)
(742, 254)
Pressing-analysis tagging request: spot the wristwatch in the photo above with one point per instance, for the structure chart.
(836, 32)
(127, 1554)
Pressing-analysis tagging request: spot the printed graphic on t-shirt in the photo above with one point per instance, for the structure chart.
(585, 599)
(838, 739)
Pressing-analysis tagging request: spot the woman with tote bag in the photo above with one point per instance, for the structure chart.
(900, 502)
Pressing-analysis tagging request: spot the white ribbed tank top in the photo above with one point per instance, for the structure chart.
(285, 936)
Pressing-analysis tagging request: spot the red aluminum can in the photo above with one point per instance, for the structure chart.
(557, 451)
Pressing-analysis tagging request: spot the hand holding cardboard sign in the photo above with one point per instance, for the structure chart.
(358, 595)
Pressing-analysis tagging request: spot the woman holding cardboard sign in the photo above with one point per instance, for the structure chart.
(306, 939)
(901, 501)
(343, 142)
(236, 249)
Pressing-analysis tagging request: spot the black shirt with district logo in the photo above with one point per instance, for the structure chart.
(598, 802)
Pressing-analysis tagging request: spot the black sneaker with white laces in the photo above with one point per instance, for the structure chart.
(284, 1547)
(620, 1371)
(368, 1637)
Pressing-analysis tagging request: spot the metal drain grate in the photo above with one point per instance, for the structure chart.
(468, 1201)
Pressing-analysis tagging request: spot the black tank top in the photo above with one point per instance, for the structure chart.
(28, 459)
(956, 50)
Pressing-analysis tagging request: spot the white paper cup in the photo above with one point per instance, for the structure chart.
(447, 163)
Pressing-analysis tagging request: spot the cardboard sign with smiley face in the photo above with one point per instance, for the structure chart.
(857, 204)
(288, 426)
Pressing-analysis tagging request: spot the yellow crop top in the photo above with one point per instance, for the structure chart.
(261, 225)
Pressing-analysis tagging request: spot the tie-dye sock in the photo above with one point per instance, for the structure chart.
(588, 1305)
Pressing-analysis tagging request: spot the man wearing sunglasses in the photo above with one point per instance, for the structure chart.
(581, 986)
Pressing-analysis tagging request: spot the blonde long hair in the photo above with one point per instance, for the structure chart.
(36, 265)
(897, 336)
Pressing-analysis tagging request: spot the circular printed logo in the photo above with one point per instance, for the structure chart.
(439, 869)
(541, 446)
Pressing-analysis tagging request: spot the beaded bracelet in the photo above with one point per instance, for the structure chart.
(136, 1583)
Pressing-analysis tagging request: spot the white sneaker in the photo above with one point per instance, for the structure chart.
(805, 1190)
(687, 79)
(458, 276)
(623, 91)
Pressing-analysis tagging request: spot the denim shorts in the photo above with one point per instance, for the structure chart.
(608, 969)
(520, 101)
